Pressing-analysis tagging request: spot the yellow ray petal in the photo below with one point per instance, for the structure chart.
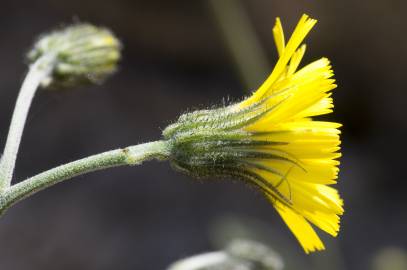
(300, 227)
(296, 60)
(302, 29)
(278, 34)
(328, 222)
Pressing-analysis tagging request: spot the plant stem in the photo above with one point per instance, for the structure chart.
(240, 38)
(203, 261)
(38, 71)
(132, 155)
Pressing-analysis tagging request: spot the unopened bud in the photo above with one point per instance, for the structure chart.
(83, 54)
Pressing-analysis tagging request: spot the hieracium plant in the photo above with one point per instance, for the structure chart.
(269, 140)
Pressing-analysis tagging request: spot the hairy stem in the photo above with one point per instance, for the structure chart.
(38, 71)
(132, 155)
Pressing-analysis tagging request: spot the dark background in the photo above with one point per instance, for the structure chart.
(175, 59)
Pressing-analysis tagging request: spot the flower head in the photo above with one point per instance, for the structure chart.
(270, 140)
(83, 54)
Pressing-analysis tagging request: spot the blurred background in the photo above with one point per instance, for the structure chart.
(181, 55)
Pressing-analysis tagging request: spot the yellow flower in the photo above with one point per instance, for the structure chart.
(270, 140)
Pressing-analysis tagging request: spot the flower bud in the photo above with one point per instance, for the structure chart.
(83, 54)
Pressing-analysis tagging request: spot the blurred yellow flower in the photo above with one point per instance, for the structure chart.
(270, 140)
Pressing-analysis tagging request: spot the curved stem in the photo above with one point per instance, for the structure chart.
(38, 71)
(202, 261)
(127, 156)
